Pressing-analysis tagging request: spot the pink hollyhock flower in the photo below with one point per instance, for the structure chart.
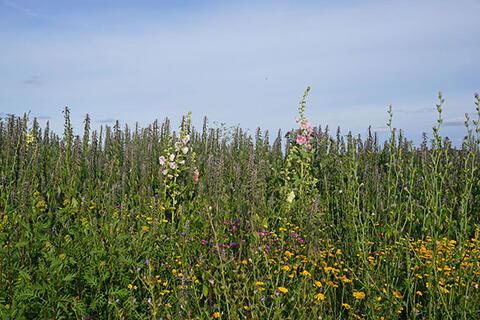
(172, 165)
(172, 157)
(162, 160)
(301, 140)
(182, 162)
(164, 172)
(195, 178)
(306, 125)
(185, 150)
(186, 139)
(309, 147)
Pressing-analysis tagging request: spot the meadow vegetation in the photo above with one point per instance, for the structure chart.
(151, 223)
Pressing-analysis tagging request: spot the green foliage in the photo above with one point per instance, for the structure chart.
(94, 228)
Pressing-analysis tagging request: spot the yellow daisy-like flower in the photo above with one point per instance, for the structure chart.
(346, 306)
(397, 294)
(359, 295)
(306, 273)
(216, 315)
(419, 293)
(283, 289)
(320, 296)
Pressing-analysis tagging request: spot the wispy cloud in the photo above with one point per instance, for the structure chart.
(33, 80)
(415, 110)
(20, 8)
(455, 122)
(109, 120)
(380, 129)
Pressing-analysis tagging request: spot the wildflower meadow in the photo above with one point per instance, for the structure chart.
(214, 223)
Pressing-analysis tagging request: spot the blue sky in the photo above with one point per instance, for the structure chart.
(242, 62)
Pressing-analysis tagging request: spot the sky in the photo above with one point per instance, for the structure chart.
(243, 63)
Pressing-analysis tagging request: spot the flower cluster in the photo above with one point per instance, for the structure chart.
(304, 133)
(175, 159)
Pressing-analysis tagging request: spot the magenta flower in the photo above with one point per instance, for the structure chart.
(301, 140)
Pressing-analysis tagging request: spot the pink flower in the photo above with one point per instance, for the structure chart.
(164, 172)
(172, 157)
(185, 150)
(182, 162)
(306, 126)
(186, 139)
(297, 120)
(195, 178)
(172, 165)
(162, 160)
(309, 147)
(301, 140)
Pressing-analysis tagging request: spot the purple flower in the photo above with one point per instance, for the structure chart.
(233, 245)
(204, 241)
(476, 95)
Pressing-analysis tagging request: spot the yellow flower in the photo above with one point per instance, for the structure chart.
(346, 306)
(306, 273)
(244, 262)
(419, 293)
(359, 295)
(62, 256)
(397, 294)
(317, 283)
(216, 315)
(286, 268)
(260, 283)
(282, 289)
(320, 296)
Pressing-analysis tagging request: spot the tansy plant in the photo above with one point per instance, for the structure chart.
(174, 169)
(299, 182)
